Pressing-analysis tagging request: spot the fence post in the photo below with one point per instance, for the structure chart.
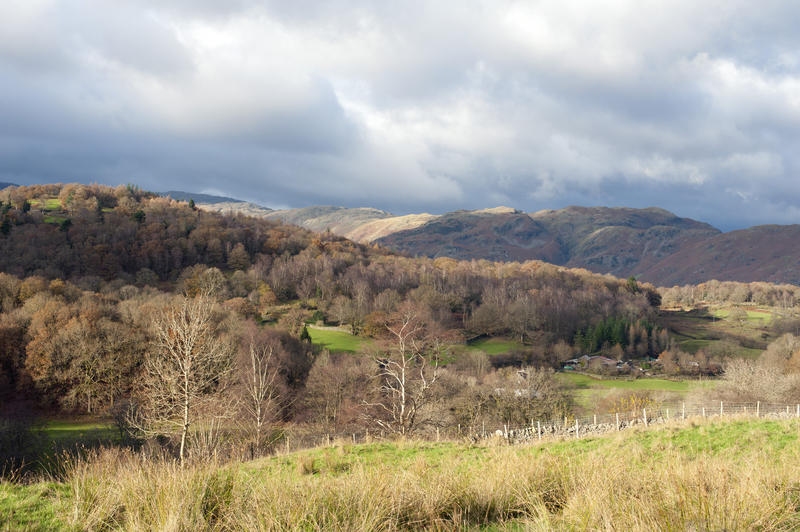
(667, 414)
(644, 416)
(354, 437)
(683, 414)
(720, 408)
(539, 429)
(758, 409)
(437, 433)
(798, 411)
(704, 411)
(617, 421)
(505, 430)
(484, 430)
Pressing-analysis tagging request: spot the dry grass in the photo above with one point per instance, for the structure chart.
(644, 480)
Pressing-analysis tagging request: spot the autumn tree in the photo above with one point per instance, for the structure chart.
(238, 258)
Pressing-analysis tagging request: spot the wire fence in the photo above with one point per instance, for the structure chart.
(567, 427)
(646, 415)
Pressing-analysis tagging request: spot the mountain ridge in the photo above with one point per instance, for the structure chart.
(651, 243)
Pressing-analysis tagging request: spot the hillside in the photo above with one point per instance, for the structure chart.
(180, 195)
(653, 244)
(620, 241)
(338, 220)
(703, 475)
(762, 253)
(505, 236)
(5, 185)
(236, 207)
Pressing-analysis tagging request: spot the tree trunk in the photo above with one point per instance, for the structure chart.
(185, 420)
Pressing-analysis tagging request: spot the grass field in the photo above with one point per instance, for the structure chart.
(337, 341)
(590, 391)
(714, 475)
(494, 346)
(582, 381)
(755, 316)
(342, 341)
(709, 329)
(78, 431)
(50, 204)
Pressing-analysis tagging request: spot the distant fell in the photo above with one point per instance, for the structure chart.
(181, 195)
(762, 253)
(620, 241)
(338, 220)
(6, 185)
(652, 244)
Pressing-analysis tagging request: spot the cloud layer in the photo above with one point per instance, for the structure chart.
(411, 106)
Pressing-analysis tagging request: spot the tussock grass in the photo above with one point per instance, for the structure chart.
(680, 477)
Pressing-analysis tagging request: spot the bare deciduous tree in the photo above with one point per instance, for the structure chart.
(406, 374)
(185, 371)
(258, 378)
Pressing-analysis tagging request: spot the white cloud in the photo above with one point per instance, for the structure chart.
(409, 105)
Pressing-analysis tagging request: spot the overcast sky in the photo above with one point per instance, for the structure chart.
(413, 106)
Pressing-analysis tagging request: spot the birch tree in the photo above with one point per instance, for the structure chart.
(408, 371)
(186, 369)
(258, 378)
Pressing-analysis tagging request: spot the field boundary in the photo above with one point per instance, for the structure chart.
(652, 414)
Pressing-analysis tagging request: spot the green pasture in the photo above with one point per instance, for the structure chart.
(704, 329)
(337, 341)
(589, 391)
(755, 316)
(581, 381)
(64, 431)
(50, 204)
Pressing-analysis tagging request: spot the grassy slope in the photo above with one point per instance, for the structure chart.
(701, 328)
(589, 391)
(66, 430)
(739, 474)
(343, 341)
(336, 341)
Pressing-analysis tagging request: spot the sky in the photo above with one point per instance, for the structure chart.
(692, 106)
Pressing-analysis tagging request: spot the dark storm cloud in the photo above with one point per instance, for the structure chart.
(411, 106)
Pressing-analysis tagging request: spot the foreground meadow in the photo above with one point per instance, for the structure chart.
(742, 474)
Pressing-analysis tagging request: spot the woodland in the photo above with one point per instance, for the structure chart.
(190, 329)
